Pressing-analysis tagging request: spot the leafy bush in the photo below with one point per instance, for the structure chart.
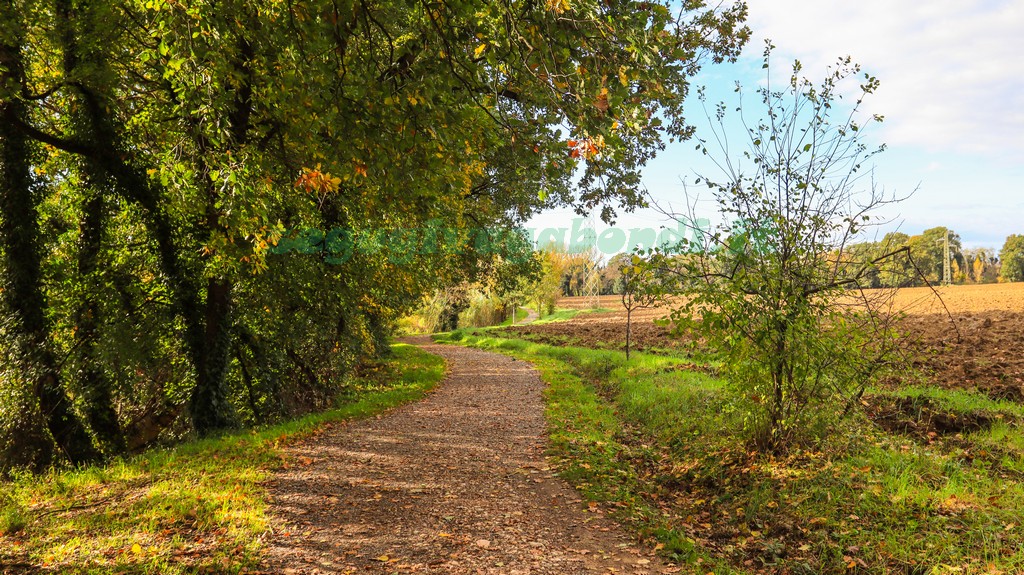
(24, 442)
(12, 518)
(773, 292)
(485, 309)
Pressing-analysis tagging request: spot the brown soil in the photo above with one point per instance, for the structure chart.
(981, 348)
(457, 483)
(922, 417)
(600, 334)
(988, 356)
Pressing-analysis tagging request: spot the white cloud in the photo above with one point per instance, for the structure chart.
(952, 71)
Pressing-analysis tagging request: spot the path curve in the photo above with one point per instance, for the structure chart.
(456, 484)
(531, 316)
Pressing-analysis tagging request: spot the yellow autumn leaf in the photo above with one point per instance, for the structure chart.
(479, 50)
(558, 6)
(137, 549)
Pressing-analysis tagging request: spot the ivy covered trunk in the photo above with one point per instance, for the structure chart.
(92, 380)
(209, 405)
(21, 267)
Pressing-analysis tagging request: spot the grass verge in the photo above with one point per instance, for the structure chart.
(566, 315)
(199, 507)
(521, 314)
(660, 444)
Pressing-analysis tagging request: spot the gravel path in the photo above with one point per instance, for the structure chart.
(531, 316)
(456, 483)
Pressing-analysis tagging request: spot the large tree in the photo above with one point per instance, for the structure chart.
(927, 249)
(1012, 259)
(155, 152)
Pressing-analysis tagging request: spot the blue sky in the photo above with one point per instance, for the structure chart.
(952, 93)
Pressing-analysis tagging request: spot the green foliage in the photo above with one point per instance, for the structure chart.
(500, 287)
(921, 263)
(642, 287)
(169, 501)
(485, 309)
(23, 439)
(658, 442)
(427, 318)
(1012, 259)
(547, 288)
(154, 152)
(890, 262)
(768, 290)
(511, 280)
(13, 517)
(611, 278)
(927, 251)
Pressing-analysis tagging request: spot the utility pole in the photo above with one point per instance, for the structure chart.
(947, 277)
(592, 284)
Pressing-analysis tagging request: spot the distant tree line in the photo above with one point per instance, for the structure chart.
(979, 265)
(924, 261)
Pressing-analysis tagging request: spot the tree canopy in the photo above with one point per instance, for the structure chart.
(153, 153)
(1012, 258)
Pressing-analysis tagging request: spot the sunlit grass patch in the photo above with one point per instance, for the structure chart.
(198, 507)
(657, 441)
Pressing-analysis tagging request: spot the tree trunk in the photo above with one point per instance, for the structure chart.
(629, 326)
(95, 385)
(247, 379)
(209, 404)
(22, 259)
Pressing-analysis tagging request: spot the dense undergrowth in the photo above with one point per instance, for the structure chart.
(923, 481)
(199, 507)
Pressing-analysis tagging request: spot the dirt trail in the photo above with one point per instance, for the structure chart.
(456, 483)
(531, 316)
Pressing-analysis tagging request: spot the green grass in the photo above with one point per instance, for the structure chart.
(559, 315)
(521, 314)
(961, 401)
(661, 445)
(567, 314)
(199, 507)
(593, 446)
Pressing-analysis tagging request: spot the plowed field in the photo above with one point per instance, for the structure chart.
(979, 344)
